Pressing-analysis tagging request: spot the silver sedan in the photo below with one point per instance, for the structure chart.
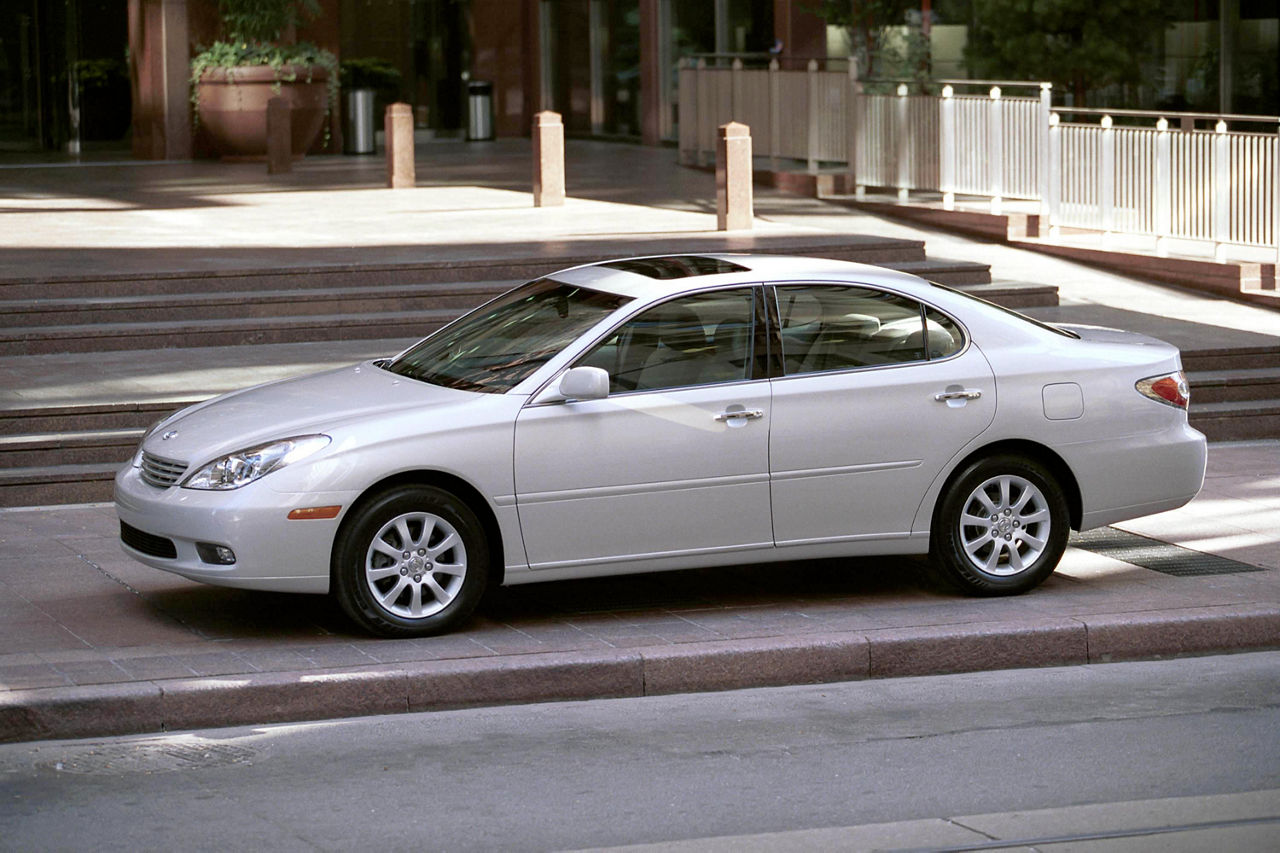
(668, 413)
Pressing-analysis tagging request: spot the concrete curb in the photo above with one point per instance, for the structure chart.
(263, 698)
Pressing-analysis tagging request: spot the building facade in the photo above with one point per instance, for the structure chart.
(76, 75)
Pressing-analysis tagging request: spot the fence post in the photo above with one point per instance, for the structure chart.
(852, 124)
(812, 111)
(1055, 174)
(995, 152)
(1107, 178)
(775, 114)
(733, 177)
(1042, 134)
(904, 143)
(1275, 209)
(947, 149)
(1221, 191)
(1164, 187)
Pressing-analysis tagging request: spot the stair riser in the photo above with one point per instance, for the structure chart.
(884, 254)
(34, 457)
(352, 305)
(28, 423)
(51, 494)
(1243, 360)
(1247, 427)
(1235, 393)
(230, 336)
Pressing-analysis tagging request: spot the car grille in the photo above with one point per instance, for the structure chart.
(160, 472)
(147, 543)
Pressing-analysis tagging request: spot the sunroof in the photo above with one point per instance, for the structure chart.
(676, 266)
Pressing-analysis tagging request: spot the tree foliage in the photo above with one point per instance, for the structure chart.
(884, 36)
(1079, 45)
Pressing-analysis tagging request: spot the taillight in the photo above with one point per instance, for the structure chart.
(1170, 389)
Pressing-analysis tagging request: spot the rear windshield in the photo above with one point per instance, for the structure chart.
(500, 344)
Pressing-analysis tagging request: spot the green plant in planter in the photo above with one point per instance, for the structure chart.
(369, 73)
(253, 31)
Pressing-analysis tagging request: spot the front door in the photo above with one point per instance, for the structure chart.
(673, 463)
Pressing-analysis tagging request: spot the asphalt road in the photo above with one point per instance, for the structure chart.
(808, 762)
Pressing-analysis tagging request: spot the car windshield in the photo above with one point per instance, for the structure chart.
(496, 347)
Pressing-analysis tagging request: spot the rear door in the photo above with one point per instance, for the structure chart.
(877, 394)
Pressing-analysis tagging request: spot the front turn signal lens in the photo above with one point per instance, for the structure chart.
(1170, 389)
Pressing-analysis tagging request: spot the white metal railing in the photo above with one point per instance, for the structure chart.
(1214, 187)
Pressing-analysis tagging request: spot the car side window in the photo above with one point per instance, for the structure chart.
(828, 327)
(941, 334)
(701, 339)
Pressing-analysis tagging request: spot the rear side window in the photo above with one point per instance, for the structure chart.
(827, 327)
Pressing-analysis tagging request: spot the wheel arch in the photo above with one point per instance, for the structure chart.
(1056, 465)
(456, 486)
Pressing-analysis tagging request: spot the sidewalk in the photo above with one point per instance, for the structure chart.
(92, 643)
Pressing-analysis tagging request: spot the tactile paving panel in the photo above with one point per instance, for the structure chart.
(1156, 555)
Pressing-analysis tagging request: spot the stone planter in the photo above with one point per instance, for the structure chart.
(232, 103)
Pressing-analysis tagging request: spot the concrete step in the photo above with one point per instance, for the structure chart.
(89, 447)
(371, 273)
(267, 304)
(1015, 294)
(57, 484)
(1235, 358)
(96, 417)
(1222, 386)
(273, 304)
(227, 332)
(1237, 420)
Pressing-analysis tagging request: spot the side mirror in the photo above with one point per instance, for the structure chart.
(585, 383)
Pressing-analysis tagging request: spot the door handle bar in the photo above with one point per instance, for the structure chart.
(967, 394)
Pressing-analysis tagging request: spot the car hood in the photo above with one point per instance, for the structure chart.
(318, 403)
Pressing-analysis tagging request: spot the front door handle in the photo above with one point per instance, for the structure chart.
(966, 394)
(745, 414)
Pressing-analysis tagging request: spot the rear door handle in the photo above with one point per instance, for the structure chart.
(966, 394)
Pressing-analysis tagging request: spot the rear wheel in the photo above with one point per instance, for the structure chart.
(411, 562)
(1001, 526)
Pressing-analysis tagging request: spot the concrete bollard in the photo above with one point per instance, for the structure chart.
(279, 136)
(548, 159)
(398, 128)
(733, 177)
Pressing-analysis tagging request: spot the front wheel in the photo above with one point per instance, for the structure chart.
(1001, 527)
(411, 562)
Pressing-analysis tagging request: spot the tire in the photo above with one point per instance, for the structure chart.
(1001, 527)
(412, 561)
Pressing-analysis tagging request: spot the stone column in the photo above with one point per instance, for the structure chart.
(159, 65)
(279, 136)
(733, 177)
(548, 159)
(398, 129)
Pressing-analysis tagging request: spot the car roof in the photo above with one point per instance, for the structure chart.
(656, 276)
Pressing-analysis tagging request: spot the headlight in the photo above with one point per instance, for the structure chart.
(243, 467)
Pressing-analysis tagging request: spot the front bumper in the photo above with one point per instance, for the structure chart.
(272, 552)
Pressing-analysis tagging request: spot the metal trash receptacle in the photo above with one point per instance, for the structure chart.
(479, 110)
(357, 137)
